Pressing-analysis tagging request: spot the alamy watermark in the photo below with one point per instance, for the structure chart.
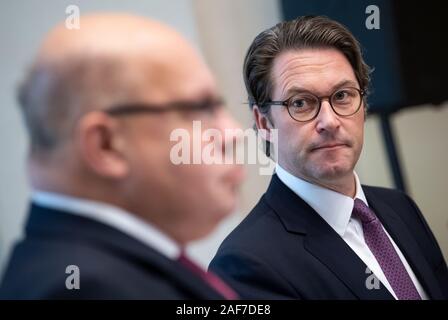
(373, 20)
(372, 282)
(72, 282)
(233, 146)
(72, 21)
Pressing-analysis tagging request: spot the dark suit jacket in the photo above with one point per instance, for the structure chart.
(284, 250)
(112, 265)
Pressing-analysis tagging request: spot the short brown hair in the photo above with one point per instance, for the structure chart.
(300, 33)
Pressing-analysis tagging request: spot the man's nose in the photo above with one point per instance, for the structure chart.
(327, 119)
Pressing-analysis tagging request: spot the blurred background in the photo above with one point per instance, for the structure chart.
(405, 137)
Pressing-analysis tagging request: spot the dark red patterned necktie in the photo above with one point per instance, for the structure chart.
(213, 280)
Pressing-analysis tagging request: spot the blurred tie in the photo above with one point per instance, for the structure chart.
(213, 280)
(384, 252)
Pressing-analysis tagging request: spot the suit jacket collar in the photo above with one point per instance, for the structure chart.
(327, 246)
(113, 216)
(44, 222)
(321, 240)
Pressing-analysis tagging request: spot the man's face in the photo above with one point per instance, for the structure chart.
(326, 149)
(183, 199)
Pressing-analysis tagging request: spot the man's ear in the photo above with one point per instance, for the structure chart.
(262, 122)
(101, 145)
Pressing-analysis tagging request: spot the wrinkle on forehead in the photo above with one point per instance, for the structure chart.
(316, 70)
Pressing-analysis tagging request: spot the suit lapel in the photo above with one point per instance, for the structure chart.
(322, 241)
(408, 245)
(329, 248)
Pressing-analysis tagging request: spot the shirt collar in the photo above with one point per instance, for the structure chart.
(113, 216)
(334, 207)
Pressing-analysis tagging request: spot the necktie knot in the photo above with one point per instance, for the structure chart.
(363, 212)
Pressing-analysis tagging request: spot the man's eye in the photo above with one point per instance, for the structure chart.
(298, 103)
(303, 103)
(341, 95)
(210, 106)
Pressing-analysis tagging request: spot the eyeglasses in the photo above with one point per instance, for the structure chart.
(208, 105)
(305, 106)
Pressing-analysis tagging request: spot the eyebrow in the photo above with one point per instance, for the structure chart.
(340, 84)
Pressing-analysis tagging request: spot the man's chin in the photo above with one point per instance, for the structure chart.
(333, 172)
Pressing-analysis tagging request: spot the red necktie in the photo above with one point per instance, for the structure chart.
(213, 280)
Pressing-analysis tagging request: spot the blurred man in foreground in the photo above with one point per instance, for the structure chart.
(110, 213)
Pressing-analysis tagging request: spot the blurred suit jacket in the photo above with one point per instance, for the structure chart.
(284, 250)
(112, 264)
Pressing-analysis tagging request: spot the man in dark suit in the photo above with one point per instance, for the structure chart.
(111, 212)
(317, 233)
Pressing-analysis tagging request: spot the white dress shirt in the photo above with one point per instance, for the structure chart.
(112, 216)
(336, 209)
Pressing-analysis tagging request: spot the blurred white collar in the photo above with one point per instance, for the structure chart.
(113, 216)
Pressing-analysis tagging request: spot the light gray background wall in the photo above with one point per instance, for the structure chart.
(223, 31)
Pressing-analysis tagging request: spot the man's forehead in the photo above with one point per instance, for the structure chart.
(162, 83)
(116, 36)
(157, 76)
(312, 69)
